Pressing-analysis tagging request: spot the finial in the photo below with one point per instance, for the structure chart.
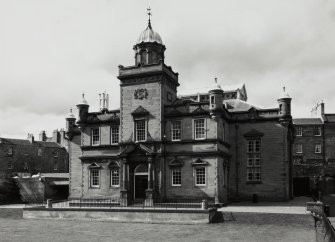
(216, 80)
(149, 14)
(83, 94)
(70, 110)
(283, 88)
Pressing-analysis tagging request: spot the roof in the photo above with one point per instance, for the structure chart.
(329, 117)
(149, 35)
(205, 90)
(28, 143)
(307, 121)
(237, 105)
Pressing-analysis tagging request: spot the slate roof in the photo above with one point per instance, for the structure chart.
(329, 117)
(307, 121)
(28, 143)
(239, 105)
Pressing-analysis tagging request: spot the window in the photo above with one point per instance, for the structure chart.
(200, 176)
(55, 165)
(317, 131)
(55, 153)
(10, 151)
(212, 99)
(254, 160)
(95, 136)
(176, 130)
(140, 130)
(94, 178)
(318, 148)
(115, 177)
(114, 134)
(176, 176)
(299, 131)
(39, 152)
(199, 129)
(299, 148)
(10, 165)
(25, 165)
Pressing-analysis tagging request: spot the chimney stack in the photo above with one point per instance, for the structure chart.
(55, 136)
(31, 138)
(42, 136)
(104, 101)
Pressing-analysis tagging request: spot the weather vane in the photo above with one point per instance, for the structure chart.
(149, 14)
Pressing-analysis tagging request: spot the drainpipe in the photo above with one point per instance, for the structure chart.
(323, 150)
(236, 160)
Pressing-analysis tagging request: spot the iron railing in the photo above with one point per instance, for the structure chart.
(137, 203)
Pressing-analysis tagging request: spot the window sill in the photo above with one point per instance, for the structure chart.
(94, 187)
(115, 186)
(204, 185)
(176, 185)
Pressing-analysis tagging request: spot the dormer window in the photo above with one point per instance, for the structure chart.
(10, 151)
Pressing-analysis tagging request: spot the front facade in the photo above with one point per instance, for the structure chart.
(159, 146)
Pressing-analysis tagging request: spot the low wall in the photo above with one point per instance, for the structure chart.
(124, 215)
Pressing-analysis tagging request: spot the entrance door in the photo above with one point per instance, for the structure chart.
(141, 184)
(140, 181)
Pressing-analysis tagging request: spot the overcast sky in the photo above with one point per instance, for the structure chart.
(52, 51)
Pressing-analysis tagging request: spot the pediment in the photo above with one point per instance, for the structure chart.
(176, 163)
(94, 166)
(139, 111)
(199, 162)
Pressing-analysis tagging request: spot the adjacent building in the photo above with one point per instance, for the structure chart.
(160, 147)
(313, 151)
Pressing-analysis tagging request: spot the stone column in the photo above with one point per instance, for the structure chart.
(149, 192)
(124, 198)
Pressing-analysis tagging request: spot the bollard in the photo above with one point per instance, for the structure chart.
(204, 204)
(49, 203)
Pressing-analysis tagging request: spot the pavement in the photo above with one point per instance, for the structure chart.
(295, 206)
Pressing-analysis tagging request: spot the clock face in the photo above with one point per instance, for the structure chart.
(141, 93)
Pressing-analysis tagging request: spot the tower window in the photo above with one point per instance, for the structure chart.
(176, 130)
(94, 178)
(115, 177)
(176, 176)
(114, 134)
(140, 130)
(200, 175)
(254, 160)
(95, 136)
(212, 99)
(199, 129)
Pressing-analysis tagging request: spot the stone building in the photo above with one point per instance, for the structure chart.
(27, 156)
(159, 146)
(313, 150)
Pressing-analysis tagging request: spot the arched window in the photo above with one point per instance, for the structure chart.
(114, 173)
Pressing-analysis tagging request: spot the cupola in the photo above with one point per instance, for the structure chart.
(70, 121)
(149, 48)
(215, 97)
(284, 102)
(82, 111)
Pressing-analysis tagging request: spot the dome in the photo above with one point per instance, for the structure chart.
(284, 94)
(71, 115)
(83, 101)
(216, 85)
(149, 35)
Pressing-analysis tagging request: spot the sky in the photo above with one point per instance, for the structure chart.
(52, 51)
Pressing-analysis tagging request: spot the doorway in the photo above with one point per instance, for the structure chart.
(140, 181)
